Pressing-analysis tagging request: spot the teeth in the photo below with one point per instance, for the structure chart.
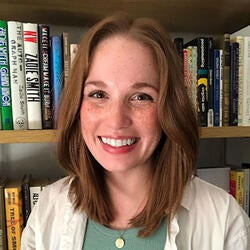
(118, 142)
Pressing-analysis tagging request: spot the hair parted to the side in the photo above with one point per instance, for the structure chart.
(175, 156)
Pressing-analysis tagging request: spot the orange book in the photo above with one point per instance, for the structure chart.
(14, 215)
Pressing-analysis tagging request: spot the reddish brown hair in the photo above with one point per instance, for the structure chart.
(175, 156)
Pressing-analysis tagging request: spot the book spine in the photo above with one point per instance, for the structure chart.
(26, 202)
(14, 217)
(202, 74)
(6, 107)
(56, 73)
(216, 88)
(234, 83)
(66, 57)
(210, 114)
(17, 75)
(246, 172)
(44, 55)
(240, 41)
(221, 86)
(32, 75)
(246, 83)
(185, 68)
(34, 195)
(3, 236)
(226, 79)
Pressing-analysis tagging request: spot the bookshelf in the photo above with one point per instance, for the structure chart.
(177, 15)
(36, 136)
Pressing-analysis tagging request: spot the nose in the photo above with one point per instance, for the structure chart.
(119, 115)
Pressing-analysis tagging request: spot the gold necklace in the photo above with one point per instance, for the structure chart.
(120, 241)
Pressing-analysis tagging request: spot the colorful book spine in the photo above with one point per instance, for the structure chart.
(14, 216)
(44, 55)
(237, 185)
(17, 75)
(202, 74)
(5, 87)
(234, 84)
(32, 75)
(56, 73)
(3, 236)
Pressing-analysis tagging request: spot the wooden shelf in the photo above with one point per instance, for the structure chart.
(225, 132)
(27, 136)
(39, 136)
(177, 15)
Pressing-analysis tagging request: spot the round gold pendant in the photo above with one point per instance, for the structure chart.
(120, 242)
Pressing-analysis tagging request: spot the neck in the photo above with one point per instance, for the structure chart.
(128, 193)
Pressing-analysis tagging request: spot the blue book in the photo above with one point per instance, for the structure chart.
(217, 87)
(56, 73)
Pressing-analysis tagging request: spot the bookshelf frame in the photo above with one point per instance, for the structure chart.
(50, 136)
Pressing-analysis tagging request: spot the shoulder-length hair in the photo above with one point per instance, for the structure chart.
(174, 157)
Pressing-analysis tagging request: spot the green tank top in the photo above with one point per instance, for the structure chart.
(99, 237)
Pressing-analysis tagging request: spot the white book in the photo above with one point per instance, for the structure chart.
(34, 195)
(242, 32)
(17, 75)
(32, 75)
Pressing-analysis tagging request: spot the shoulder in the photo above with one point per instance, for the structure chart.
(211, 206)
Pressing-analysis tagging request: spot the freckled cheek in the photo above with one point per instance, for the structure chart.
(149, 119)
(88, 115)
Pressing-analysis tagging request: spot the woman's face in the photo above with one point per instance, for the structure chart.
(119, 110)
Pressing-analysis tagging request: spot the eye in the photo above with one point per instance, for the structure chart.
(97, 94)
(142, 97)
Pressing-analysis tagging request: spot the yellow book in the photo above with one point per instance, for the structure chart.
(14, 215)
(237, 181)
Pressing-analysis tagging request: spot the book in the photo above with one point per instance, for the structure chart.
(32, 75)
(66, 56)
(3, 235)
(26, 198)
(234, 85)
(56, 73)
(210, 112)
(5, 87)
(36, 187)
(246, 171)
(237, 185)
(217, 88)
(226, 79)
(14, 214)
(17, 75)
(202, 44)
(45, 76)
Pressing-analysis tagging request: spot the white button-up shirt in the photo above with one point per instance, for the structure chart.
(208, 219)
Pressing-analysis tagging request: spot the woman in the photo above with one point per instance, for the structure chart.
(128, 138)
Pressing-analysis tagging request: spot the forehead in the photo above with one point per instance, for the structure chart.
(123, 54)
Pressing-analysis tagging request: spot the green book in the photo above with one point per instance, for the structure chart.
(6, 108)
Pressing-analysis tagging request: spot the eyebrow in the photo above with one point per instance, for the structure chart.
(136, 85)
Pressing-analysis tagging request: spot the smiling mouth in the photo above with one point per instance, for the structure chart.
(118, 142)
